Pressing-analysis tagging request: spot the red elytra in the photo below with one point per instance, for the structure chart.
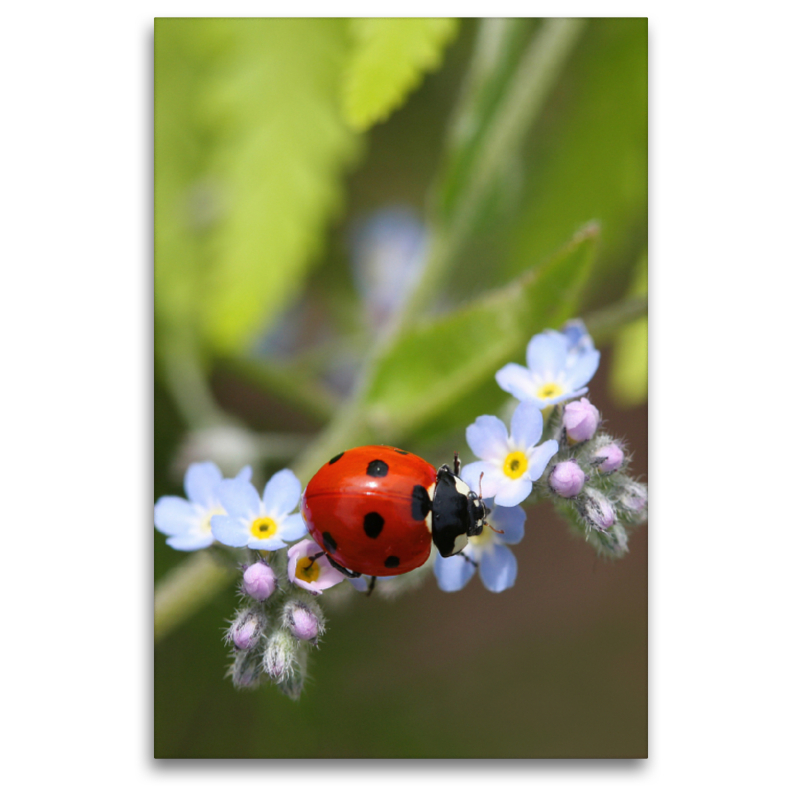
(369, 509)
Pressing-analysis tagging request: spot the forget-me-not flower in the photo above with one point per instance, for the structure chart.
(560, 364)
(310, 570)
(187, 523)
(496, 563)
(260, 523)
(510, 464)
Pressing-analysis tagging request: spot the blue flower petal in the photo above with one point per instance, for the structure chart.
(577, 336)
(582, 370)
(517, 381)
(273, 543)
(488, 438)
(229, 530)
(282, 493)
(498, 569)
(487, 485)
(188, 543)
(292, 528)
(245, 474)
(512, 492)
(240, 498)
(202, 483)
(359, 584)
(539, 458)
(547, 354)
(174, 516)
(510, 520)
(452, 573)
(526, 426)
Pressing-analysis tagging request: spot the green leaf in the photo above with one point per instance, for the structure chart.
(251, 151)
(186, 51)
(389, 58)
(283, 149)
(434, 364)
(628, 377)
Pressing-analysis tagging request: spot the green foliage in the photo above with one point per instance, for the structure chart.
(388, 60)
(628, 378)
(250, 156)
(186, 52)
(434, 364)
(589, 157)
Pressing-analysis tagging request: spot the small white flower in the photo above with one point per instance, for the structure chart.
(260, 523)
(510, 464)
(559, 367)
(187, 523)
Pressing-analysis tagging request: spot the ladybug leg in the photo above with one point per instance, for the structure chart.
(371, 585)
(456, 465)
(343, 570)
(464, 555)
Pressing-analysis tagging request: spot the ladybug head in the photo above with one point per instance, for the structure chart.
(458, 513)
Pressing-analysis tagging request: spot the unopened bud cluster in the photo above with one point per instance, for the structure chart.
(588, 481)
(272, 630)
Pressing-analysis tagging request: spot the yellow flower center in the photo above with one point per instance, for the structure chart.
(264, 528)
(548, 390)
(306, 570)
(485, 537)
(205, 525)
(516, 464)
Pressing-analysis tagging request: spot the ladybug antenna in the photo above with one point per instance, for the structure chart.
(480, 491)
(494, 529)
(456, 465)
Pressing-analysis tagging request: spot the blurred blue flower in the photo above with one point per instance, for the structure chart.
(560, 364)
(509, 464)
(388, 253)
(486, 552)
(187, 523)
(260, 523)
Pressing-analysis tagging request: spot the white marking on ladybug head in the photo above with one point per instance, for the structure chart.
(429, 521)
(459, 544)
(461, 486)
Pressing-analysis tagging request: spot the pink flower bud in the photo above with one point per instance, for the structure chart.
(246, 629)
(304, 624)
(581, 419)
(609, 458)
(567, 479)
(259, 581)
(635, 497)
(597, 510)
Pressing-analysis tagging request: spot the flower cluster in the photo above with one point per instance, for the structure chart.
(582, 471)
(278, 618)
(554, 449)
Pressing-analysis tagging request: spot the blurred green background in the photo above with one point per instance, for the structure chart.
(274, 141)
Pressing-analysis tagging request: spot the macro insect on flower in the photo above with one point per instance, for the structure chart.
(375, 513)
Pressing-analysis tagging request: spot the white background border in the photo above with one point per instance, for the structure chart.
(77, 330)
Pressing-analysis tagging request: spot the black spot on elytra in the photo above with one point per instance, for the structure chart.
(377, 469)
(402, 452)
(373, 524)
(336, 458)
(420, 502)
(330, 542)
(392, 561)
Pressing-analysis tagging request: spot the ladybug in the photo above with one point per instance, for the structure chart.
(375, 511)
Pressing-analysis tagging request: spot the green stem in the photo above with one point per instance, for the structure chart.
(538, 70)
(186, 588)
(605, 323)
